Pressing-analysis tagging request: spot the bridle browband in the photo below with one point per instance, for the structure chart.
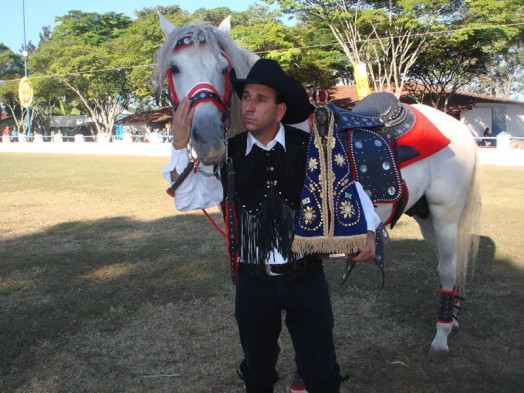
(202, 91)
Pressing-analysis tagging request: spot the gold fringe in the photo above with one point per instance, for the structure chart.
(329, 245)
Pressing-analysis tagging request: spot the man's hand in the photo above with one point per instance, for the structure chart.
(181, 124)
(368, 252)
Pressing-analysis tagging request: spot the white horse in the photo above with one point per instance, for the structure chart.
(197, 61)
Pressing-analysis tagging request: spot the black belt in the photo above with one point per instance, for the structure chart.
(274, 270)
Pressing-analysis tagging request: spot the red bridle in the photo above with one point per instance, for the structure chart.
(202, 91)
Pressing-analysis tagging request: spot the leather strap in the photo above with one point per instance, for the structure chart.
(231, 220)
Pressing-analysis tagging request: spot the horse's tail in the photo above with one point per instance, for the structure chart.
(468, 237)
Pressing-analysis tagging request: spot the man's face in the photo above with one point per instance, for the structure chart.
(260, 112)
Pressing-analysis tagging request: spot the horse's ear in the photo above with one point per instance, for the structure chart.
(166, 26)
(225, 25)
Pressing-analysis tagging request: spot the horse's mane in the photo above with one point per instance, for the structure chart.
(241, 60)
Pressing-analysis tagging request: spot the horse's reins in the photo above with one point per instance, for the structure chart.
(206, 92)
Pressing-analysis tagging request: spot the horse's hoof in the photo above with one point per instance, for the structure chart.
(437, 355)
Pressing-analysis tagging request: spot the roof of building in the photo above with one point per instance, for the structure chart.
(161, 115)
(69, 121)
(347, 97)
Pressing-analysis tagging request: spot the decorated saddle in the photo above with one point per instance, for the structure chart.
(384, 136)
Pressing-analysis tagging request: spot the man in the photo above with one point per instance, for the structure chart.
(270, 162)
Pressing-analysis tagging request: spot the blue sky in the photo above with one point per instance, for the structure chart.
(39, 13)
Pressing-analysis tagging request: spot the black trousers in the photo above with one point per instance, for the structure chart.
(304, 295)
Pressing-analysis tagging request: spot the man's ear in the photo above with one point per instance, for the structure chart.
(281, 110)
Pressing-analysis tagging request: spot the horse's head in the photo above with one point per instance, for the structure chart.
(197, 62)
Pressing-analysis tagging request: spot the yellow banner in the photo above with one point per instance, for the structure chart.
(361, 80)
(25, 92)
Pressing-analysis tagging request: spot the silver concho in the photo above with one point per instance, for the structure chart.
(386, 166)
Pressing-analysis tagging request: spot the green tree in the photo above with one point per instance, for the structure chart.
(323, 62)
(45, 35)
(479, 52)
(293, 46)
(498, 24)
(211, 16)
(11, 69)
(46, 101)
(448, 65)
(79, 57)
(135, 49)
(386, 36)
(90, 27)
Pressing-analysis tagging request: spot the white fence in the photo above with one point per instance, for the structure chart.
(80, 146)
(501, 155)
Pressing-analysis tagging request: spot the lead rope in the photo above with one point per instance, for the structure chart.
(230, 216)
(231, 221)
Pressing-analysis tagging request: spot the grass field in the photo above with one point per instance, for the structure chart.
(105, 287)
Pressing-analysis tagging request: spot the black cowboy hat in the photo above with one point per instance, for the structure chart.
(268, 72)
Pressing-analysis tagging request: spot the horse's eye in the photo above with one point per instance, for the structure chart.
(174, 69)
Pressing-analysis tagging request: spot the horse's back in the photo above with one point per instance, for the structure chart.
(449, 171)
(462, 141)
(446, 173)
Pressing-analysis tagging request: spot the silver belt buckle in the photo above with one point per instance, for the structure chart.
(270, 273)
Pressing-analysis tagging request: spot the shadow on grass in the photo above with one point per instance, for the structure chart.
(56, 282)
(101, 273)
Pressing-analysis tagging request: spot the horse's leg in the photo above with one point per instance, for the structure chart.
(455, 212)
(439, 347)
(428, 232)
(445, 234)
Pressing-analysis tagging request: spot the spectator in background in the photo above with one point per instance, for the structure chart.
(58, 136)
(169, 133)
(6, 135)
(14, 135)
(38, 138)
(487, 134)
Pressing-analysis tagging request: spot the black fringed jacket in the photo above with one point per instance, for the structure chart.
(267, 194)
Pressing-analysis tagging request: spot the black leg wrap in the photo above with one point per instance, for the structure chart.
(447, 300)
(448, 303)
